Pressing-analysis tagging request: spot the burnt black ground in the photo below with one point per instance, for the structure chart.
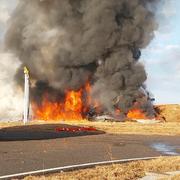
(38, 147)
(40, 132)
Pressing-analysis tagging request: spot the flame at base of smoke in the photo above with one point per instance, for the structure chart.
(76, 106)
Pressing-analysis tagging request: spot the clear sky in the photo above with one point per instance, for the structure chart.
(161, 58)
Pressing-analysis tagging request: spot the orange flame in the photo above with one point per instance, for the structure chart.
(75, 106)
(136, 114)
(91, 101)
(70, 109)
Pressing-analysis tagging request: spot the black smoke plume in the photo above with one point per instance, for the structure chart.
(65, 43)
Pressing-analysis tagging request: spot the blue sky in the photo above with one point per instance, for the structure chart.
(161, 58)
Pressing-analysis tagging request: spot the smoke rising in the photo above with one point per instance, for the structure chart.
(65, 43)
(11, 104)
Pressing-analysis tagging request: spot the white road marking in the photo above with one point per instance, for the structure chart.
(77, 166)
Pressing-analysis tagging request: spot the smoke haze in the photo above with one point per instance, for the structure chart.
(11, 104)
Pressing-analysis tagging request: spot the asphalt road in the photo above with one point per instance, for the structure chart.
(38, 147)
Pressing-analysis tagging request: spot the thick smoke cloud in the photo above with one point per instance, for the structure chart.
(65, 43)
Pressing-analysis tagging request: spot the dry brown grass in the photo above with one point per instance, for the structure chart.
(177, 177)
(170, 111)
(16, 123)
(127, 171)
(135, 128)
(169, 128)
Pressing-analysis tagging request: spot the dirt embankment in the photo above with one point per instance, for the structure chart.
(171, 112)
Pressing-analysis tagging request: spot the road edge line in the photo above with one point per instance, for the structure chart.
(73, 167)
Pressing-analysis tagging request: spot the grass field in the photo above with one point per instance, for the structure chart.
(135, 128)
(127, 171)
(169, 128)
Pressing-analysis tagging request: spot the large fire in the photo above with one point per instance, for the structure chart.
(70, 109)
(74, 107)
(136, 114)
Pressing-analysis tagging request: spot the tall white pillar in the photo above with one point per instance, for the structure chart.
(26, 96)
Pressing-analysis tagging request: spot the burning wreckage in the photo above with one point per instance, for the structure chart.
(83, 57)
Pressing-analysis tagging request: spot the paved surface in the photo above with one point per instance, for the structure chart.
(38, 147)
(155, 176)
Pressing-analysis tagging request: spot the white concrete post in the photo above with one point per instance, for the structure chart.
(26, 96)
